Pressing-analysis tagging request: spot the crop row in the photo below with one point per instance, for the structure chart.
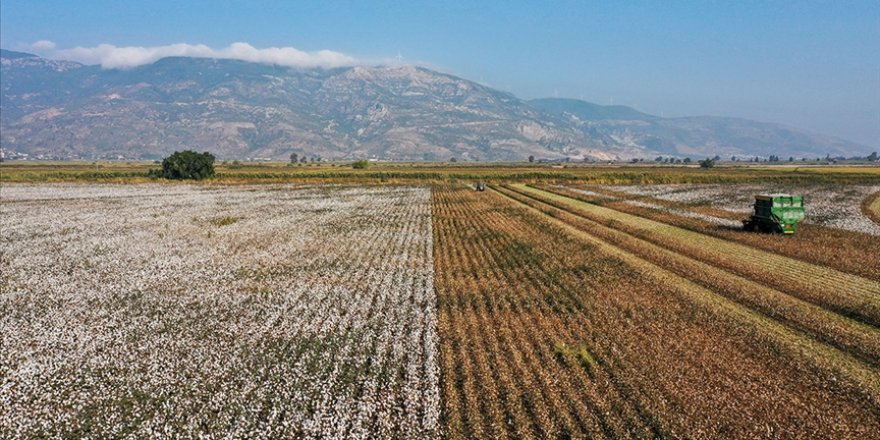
(871, 207)
(204, 312)
(546, 331)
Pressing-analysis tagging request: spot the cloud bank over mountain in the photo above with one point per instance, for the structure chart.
(109, 56)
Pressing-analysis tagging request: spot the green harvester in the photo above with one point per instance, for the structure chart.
(776, 213)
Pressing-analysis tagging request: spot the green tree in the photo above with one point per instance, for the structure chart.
(707, 163)
(531, 158)
(872, 157)
(360, 164)
(187, 164)
(294, 157)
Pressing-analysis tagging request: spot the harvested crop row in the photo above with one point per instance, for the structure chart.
(871, 207)
(860, 340)
(852, 296)
(242, 312)
(481, 296)
(642, 354)
(844, 250)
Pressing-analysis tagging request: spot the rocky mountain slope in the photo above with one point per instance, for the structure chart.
(238, 109)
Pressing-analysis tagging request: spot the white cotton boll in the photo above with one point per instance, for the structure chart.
(122, 302)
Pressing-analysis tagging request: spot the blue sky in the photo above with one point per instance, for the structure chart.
(814, 65)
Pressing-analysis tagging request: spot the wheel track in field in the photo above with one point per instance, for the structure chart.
(860, 376)
(847, 294)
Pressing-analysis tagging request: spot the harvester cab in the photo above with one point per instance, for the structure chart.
(776, 213)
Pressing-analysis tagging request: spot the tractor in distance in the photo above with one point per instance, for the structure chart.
(480, 186)
(776, 213)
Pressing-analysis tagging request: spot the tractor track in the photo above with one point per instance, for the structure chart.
(829, 342)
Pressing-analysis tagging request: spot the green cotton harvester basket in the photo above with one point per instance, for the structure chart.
(776, 213)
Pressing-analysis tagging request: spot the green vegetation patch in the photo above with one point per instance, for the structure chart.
(223, 221)
(579, 354)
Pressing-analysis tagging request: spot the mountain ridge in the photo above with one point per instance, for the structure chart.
(240, 109)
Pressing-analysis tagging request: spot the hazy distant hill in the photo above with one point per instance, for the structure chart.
(698, 135)
(239, 109)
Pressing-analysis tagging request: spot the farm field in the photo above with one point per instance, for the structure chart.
(535, 309)
(596, 332)
(420, 173)
(153, 311)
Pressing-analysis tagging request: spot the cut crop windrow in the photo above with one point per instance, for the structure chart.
(862, 377)
(840, 249)
(853, 296)
(857, 338)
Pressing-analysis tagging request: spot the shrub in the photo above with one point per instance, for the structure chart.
(188, 165)
(360, 165)
(707, 163)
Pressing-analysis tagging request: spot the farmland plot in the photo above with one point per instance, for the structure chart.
(228, 312)
(552, 328)
(391, 312)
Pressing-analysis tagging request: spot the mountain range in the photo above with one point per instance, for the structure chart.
(237, 109)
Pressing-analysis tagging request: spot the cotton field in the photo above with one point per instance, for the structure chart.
(199, 311)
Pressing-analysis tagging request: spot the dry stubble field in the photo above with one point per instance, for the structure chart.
(539, 311)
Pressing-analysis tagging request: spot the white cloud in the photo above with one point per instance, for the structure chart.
(113, 57)
(41, 46)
